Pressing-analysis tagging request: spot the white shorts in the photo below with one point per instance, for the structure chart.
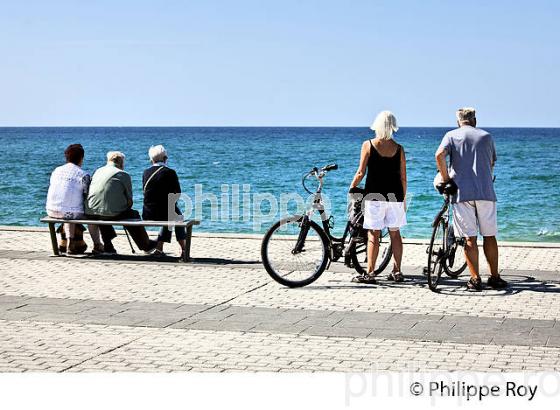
(379, 215)
(473, 216)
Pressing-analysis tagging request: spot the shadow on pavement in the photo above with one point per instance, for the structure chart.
(449, 286)
(168, 259)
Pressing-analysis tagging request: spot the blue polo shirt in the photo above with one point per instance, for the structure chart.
(472, 153)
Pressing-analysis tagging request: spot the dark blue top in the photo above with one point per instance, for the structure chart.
(157, 191)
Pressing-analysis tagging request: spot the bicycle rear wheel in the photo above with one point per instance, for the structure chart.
(436, 254)
(358, 253)
(291, 264)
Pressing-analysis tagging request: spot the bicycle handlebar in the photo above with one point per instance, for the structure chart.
(330, 167)
(318, 173)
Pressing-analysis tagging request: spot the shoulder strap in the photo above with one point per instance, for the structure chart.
(372, 149)
(151, 176)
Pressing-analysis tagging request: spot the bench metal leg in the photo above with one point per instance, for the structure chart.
(187, 253)
(54, 242)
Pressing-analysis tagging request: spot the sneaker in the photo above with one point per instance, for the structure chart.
(158, 254)
(77, 247)
(474, 284)
(109, 250)
(496, 282)
(364, 278)
(151, 247)
(98, 249)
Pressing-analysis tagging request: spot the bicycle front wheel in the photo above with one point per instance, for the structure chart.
(358, 253)
(295, 251)
(436, 254)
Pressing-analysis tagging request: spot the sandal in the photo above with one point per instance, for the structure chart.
(364, 278)
(396, 277)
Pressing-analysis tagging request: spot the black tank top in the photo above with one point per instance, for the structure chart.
(384, 175)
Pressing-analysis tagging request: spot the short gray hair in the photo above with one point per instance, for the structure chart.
(116, 157)
(466, 114)
(384, 125)
(157, 153)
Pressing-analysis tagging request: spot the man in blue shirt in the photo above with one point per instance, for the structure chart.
(472, 155)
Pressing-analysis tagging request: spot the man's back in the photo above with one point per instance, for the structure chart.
(472, 154)
(110, 192)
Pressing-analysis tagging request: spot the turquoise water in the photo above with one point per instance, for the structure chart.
(272, 160)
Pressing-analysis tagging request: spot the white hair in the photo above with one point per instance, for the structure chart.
(157, 153)
(385, 125)
(116, 157)
(466, 114)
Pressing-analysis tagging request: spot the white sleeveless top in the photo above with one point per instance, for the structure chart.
(69, 184)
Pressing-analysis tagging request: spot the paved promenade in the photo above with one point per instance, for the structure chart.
(223, 313)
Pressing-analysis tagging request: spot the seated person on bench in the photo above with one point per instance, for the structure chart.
(65, 200)
(159, 181)
(110, 199)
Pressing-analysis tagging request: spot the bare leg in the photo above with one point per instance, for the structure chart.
(491, 252)
(471, 255)
(397, 246)
(372, 249)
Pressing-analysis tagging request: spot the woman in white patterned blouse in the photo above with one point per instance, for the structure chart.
(68, 187)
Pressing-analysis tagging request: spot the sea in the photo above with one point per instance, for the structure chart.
(242, 179)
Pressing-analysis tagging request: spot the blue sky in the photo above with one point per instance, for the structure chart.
(286, 63)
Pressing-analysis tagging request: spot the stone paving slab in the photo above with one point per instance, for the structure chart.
(92, 348)
(521, 332)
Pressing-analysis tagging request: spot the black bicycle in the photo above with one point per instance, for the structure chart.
(445, 252)
(296, 250)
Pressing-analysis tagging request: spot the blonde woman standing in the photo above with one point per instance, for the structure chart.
(385, 188)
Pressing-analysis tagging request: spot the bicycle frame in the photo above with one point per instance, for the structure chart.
(336, 244)
(443, 214)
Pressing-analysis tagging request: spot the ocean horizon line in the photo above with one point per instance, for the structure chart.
(266, 126)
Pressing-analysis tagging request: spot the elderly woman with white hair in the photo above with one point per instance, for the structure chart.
(159, 181)
(385, 193)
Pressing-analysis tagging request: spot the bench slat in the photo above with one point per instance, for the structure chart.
(122, 222)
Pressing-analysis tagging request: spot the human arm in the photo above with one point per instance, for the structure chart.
(127, 184)
(441, 163)
(175, 185)
(364, 157)
(403, 175)
(494, 156)
(86, 182)
(441, 154)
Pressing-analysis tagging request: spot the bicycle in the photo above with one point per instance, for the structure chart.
(442, 251)
(296, 250)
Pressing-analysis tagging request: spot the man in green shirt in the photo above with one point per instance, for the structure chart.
(110, 198)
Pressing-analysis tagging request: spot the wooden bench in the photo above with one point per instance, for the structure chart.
(125, 222)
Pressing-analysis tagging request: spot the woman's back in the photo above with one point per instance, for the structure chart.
(158, 181)
(384, 170)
